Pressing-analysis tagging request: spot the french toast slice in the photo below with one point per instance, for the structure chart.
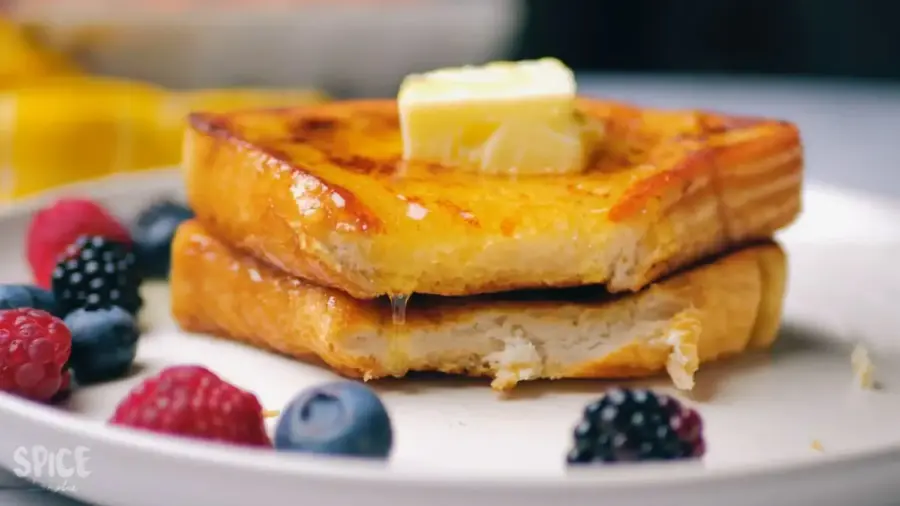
(713, 310)
(321, 192)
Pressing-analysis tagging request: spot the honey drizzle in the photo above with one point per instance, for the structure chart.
(398, 308)
(396, 355)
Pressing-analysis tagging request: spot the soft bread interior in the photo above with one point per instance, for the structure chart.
(709, 311)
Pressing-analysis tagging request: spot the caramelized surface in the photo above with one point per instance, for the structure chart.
(322, 193)
(354, 148)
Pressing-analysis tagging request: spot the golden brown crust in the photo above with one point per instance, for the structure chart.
(714, 310)
(321, 192)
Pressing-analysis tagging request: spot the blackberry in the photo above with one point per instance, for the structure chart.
(96, 273)
(633, 425)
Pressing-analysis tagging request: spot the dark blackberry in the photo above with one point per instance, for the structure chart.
(96, 273)
(632, 425)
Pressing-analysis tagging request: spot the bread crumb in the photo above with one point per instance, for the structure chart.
(684, 359)
(817, 445)
(519, 360)
(863, 368)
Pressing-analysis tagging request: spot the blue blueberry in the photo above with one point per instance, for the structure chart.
(342, 418)
(104, 343)
(153, 232)
(27, 296)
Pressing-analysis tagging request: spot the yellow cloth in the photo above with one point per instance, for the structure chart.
(59, 125)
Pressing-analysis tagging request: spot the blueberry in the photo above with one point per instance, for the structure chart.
(342, 418)
(153, 232)
(104, 343)
(22, 296)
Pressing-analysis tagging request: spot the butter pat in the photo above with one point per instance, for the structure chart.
(500, 118)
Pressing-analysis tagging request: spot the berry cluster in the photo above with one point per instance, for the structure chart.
(77, 324)
(78, 321)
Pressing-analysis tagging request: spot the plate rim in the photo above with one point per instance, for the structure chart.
(103, 187)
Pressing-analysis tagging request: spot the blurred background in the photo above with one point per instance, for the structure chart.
(95, 87)
(365, 46)
(827, 38)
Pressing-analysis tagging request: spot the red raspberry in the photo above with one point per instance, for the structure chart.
(34, 347)
(54, 228)
(192, 401)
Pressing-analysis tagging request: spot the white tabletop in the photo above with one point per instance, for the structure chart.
(850, 133)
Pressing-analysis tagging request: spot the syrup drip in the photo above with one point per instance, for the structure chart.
(398, 308)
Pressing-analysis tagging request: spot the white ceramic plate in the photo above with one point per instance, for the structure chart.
(458, 443)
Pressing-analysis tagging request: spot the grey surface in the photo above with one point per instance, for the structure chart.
(851, 134)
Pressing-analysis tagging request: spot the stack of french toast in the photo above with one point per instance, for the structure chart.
(509, 231)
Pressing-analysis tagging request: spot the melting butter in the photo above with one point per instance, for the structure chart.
(500, 118)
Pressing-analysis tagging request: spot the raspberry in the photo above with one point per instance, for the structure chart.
(54, 228)
(34, 348)
(96, 273)
(636, 425)
(192, 401)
